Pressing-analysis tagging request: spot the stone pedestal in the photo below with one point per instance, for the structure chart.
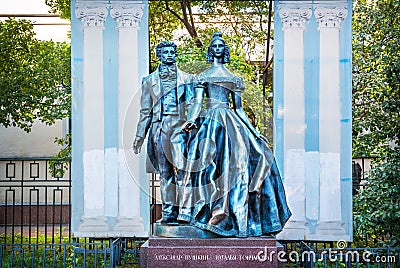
(212, 252)
(181, 231)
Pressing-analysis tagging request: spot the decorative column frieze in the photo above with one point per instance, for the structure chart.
(127, 16)
(91, 14)
(330, 17)
(330, 220)
(129, 221)
(93, 221)
(294, 19)
(313, 116)
(110, 56)
(294, 16)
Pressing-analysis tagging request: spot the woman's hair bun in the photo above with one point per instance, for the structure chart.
(217, 34)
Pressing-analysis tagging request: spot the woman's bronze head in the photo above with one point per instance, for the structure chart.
(210, 55)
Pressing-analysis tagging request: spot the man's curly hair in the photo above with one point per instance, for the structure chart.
(164, 44)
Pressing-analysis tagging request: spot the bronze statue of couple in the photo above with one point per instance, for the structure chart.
(217, 171)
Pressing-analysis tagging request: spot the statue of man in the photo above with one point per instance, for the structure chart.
(166, 95)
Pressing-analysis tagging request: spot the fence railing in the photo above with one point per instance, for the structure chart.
(360, 167)
(35, 223)
(93, 253)
(35, 200)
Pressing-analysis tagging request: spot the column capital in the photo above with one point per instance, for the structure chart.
(91, 14)
(330, 16)
(127, 15)
(293, 16)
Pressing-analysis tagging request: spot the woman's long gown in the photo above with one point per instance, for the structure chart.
(232, 185)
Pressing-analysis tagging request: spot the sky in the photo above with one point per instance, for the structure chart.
(27, 7)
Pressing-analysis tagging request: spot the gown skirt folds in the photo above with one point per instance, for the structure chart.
(232, 185)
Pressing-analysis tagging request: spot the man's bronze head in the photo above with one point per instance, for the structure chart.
(166, 52)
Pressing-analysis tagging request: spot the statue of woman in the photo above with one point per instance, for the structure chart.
(232, 185)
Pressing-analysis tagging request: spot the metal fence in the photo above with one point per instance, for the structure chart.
(35, 225)
(90, 253)
(35, 200)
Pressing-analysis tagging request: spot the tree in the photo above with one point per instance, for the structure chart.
(376, 207)
(376, 76)
(191, 23)
(244, 25)
(181, 15)
(34, 77)
(61, 7)
(376, 116)
(245, 22)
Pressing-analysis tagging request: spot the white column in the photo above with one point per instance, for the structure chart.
(294, 19)
(329, 18)
(128, 16)
(93, 17)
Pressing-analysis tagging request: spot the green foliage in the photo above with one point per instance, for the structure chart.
(34, 254)
(60, 237)
(59, 163)
(376, 117)
(161, 24)
(376, 76)
(243, 23)
(34, 77)
(46, 251)
(61, 7)
(244, 29)
(191, 59)
(376, 207)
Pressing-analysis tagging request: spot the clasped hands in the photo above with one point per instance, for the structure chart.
(189, 126)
